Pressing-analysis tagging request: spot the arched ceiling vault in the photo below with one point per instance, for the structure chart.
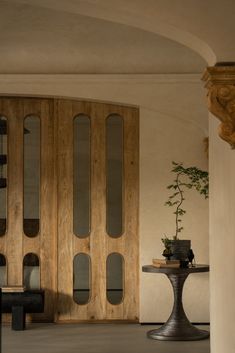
(150, 15)
(100, 36)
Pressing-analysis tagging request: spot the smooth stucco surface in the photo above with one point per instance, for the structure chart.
(222, 242)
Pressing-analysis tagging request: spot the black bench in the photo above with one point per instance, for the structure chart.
(20, 303)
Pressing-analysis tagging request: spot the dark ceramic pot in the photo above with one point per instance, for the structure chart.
(180, 249)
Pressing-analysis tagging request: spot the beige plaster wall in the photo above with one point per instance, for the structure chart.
(222, 242)
(170, 140)
(173, 123)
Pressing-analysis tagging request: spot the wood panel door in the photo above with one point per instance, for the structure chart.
(55, 242)
(98, 244)
(15, 244)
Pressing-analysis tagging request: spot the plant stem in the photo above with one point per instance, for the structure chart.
(177, 209)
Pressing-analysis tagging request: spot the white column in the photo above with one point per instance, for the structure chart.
(222, 242)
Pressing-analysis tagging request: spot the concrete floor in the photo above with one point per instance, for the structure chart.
(93, 338)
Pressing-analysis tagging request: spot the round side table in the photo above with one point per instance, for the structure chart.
(177, 327)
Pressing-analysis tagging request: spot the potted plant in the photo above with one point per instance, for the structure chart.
(185, 178)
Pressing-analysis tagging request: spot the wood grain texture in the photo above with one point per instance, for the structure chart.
(3, 239)
(128, 244)
(65, 209)
(48, 210)
(98, 211)
(56, 244)
(15, 244)
(131, 236)
(44, 243)
(99, 244)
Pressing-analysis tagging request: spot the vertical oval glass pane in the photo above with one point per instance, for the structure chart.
(81, 179)
(114, 278)
(31, 271)
(81, 278)
(31, 175)
(114, 175)
(3, 174)
(3, 271)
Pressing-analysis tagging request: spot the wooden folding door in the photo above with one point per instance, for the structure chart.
(98, 243)
(82, 218)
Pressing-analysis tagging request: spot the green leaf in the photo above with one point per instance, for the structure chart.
(185, 178)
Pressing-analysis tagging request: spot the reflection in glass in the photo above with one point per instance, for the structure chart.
(81, 278)
(114, 165)
(3, 174)
(31, 271)
(81, 180)
(114, 278)
(31, 175)
(3, 271)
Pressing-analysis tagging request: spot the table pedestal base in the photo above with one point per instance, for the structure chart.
(163, 334)
(178, 327)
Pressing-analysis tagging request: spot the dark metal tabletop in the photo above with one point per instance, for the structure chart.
(170, 270)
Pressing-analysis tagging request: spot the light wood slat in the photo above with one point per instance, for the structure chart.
(31, 245)
(44, 244)
(127, 245)
(31, 107)
(14, 246)
(65, 210)
(81, 245)
(48, 210)
(81, 312)
(131, 162)
(98, 211)
(115, 245)
(3, 239)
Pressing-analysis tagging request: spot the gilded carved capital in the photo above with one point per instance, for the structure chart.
(220, 82)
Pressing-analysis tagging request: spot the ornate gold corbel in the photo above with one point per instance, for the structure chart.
(220, 82)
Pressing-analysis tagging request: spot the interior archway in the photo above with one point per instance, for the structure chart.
(150, 19)
(173, 120)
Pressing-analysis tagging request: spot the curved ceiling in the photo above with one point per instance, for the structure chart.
(37, 39)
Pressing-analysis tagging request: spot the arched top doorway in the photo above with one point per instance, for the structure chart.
(72, 188)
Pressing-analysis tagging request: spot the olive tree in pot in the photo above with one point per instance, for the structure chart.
(185, 178)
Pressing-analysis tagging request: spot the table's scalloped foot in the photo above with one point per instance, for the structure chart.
(164, 334)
